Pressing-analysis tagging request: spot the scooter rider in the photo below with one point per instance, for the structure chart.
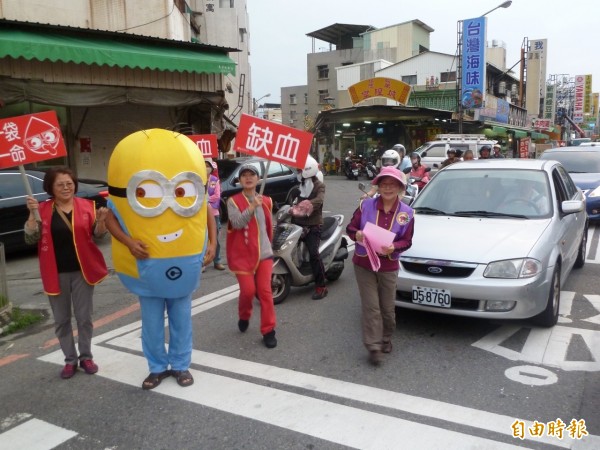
(404, 160)
(418, 171)
(312, 190)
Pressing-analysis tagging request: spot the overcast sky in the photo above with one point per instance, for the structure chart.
(278, 28)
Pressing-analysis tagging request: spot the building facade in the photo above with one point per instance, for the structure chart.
(137, 64)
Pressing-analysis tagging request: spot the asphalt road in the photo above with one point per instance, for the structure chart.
(449, 383)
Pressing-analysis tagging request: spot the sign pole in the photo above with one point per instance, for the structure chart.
(36, 212)
(264, 180)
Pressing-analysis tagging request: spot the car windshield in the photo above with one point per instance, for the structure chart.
(576, 161)
(226, 168)
(502, 193)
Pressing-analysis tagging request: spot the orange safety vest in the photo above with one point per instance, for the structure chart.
(91, 260)
(243, 245)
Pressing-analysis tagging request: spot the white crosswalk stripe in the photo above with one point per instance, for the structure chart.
(346, 425)
(593, 245)
(35, 434)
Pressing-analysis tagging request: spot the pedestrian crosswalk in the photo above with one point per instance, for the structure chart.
(34, 434)
(344, 413)
(593, 242)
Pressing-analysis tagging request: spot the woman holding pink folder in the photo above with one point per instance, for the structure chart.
(376, 269)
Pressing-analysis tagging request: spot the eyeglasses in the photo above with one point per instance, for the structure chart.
(67, 185)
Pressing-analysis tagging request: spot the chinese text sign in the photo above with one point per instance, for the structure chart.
(30, 138)
(473, 62)
(273, 141)
(207, 144)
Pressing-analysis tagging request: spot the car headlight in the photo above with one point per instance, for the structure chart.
(513, 268)
(595, 192)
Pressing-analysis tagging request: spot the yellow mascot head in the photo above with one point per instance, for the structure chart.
(157, 182)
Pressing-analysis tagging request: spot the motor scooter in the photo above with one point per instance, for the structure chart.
(370, 170)
(351, 170)
(291, 262)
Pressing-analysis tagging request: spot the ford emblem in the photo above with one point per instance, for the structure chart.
(434, 269)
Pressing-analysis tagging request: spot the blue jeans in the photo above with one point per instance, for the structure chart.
(217, 259)
(179, 312)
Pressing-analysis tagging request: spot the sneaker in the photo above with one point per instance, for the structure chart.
(243, 325)
(89, 366)
(375, 357)
(320, 292)
(386, 346)
(219, 266)
(269, 339)
(68, 371)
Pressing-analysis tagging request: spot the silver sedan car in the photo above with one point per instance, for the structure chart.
(494, 239)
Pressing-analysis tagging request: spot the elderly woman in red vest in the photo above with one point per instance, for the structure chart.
(70, 262)
(249, 253)
(376, 272)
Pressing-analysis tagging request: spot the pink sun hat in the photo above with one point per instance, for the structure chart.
(390, 171)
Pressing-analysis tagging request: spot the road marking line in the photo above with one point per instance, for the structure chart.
(326, 420)
(35, 434)
(595, 302)
(12, 358)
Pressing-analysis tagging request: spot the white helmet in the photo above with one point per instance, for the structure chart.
(311, 168)
(399, 148)
(390, 158)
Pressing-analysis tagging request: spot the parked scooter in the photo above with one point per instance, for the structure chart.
(291, 266)
(370, 170)
(351, 169)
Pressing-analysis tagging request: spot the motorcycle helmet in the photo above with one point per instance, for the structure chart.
(415, 155)
(311, 168)
(390, 158)
(400, 149)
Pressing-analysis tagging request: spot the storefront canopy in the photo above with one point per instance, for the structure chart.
(112, 50)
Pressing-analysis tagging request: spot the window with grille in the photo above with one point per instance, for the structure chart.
(323, 71)
(409, 79)
(292, 99)
(447, 76)
(323, 94)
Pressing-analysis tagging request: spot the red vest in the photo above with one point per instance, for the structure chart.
(91, 260)
(243, 245)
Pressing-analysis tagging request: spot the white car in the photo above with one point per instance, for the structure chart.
(494, 239)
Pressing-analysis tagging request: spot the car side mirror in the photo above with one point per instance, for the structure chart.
(235, 181)
(572, 206)
(423, 154)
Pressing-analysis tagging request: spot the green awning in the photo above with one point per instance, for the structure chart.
(536, 135)
(112, 51)
(520, 134)
(499, 131)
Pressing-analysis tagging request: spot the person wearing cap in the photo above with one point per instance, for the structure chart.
(497, 150)
(484, 152)
(377, 283)
(214, 202)
(249, 252)
(452, 157)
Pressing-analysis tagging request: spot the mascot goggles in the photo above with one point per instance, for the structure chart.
(149, 193)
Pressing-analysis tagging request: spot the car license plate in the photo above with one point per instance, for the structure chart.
(431, 296)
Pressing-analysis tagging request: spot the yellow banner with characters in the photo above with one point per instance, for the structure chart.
(380, 87)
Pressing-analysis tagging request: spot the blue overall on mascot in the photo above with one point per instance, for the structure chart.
(157, 182)
(157, 193)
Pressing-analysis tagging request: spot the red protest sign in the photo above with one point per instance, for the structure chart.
(207, 144)
(273, 141)
(30, 138)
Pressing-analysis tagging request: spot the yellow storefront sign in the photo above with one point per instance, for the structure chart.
(380, 87)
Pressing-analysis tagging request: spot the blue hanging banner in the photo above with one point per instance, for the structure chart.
(473, 62)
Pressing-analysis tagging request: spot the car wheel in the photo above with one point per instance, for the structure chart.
(292, 195)
(581, 254)
(280, 286)
(549, 316)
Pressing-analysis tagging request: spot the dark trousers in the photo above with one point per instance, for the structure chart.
(313, 240)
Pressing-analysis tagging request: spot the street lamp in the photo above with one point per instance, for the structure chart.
(459, 33)
(255, 103)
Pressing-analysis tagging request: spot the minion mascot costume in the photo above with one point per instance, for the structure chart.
(157, 184)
